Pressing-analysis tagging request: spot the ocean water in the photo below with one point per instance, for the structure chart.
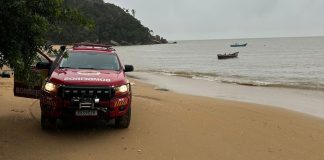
(273, 62)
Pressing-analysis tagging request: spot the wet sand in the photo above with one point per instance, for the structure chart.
(165, 125)
(306, 101)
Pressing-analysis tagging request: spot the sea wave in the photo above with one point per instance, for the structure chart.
(241, 80)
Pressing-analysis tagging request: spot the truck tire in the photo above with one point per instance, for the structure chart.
(123, 121)
(47, 123)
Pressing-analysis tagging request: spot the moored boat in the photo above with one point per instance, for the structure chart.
(226, 56)
(238, 45)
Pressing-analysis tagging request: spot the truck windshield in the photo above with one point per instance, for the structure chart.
(90, 60)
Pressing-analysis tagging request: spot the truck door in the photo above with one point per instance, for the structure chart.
(40, 70)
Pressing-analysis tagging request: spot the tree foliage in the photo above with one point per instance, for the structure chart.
(23, 26)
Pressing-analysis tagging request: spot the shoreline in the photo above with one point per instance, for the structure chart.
(164, 125)
(242, 82)
(305, 101)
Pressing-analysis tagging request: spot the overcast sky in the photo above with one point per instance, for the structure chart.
(218, 19)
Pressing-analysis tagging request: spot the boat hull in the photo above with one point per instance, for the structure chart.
(239, 45)
(227, 56)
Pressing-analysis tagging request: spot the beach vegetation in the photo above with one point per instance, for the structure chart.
(24, 25)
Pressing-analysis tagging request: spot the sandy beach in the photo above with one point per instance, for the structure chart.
(165, 125)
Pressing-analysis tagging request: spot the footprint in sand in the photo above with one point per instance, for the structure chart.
(17, 111)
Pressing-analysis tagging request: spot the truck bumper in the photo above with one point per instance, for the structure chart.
(56, 107)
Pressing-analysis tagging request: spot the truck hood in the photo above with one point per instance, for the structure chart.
(85, 77)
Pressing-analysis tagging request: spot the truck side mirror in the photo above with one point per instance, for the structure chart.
(129, 68)
(43, 65)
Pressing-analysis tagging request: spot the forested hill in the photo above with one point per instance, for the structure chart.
(112, 24)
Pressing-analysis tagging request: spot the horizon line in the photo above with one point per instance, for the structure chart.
(245, 38)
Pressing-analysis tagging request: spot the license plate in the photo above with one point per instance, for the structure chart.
(86, 113)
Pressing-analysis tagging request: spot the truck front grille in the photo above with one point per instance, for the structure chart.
(68, 92)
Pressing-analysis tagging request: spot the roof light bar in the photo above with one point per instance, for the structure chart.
(92, 46)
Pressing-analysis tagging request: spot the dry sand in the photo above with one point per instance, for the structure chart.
(165, 125)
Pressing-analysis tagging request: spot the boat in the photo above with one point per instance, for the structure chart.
(238, 45)
(226, 56)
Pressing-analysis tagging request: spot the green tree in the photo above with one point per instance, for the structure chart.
(23, 26)
(133, 12)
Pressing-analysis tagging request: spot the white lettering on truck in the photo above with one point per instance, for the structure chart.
(86, 79)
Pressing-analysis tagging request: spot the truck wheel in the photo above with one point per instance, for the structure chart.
(47, 123)
(123, 121)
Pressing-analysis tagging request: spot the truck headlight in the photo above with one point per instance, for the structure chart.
(50, 87)
(122, 89)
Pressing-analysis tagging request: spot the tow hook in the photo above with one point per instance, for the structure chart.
(103, 109)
